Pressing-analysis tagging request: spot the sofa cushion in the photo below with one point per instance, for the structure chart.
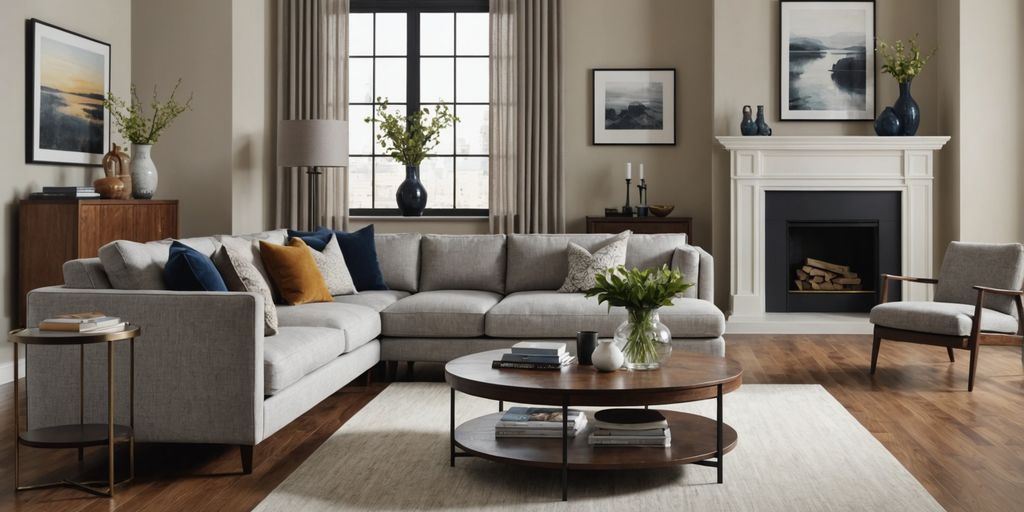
(294, 273)
(686, 260)
(248, 249)
(240, 275)
(359, 324)
(442, 313)
(539, 262)
(377, 300)
(297, 351)
(85, 273)
(968, 264)
(949, 318)
(399, 257)
(463, 262)
(584, 265)
(360, 252)
(653, 251)
(188, 270)
(331, 263)
(140, 266)
(548, 314)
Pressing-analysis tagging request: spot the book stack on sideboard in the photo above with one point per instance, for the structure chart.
(52, 231)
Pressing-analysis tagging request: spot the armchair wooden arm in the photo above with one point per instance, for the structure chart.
(887, 277)
(979, 307)
(999, 291)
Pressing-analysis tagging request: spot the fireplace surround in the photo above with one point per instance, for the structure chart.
(903, 166)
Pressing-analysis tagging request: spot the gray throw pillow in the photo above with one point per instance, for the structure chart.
(241, 275)
(331, 262)
(584, 266)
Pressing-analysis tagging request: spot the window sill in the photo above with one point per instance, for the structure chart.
(432, 218)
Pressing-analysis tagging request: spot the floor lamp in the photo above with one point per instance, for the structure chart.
(312, 143)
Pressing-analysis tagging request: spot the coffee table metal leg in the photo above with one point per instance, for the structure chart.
(501, 405)
(720, 454)
(565, 451)
(451, 432)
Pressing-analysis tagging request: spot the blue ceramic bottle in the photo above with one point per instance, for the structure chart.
(887, 123)
(907, 110)
(747, 126)
(762, 127)
(411, 195)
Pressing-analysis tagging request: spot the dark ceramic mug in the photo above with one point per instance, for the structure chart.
(586, 343)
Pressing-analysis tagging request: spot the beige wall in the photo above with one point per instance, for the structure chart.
(991, 152)
(107, 21)
(746, 71)
(216, 158)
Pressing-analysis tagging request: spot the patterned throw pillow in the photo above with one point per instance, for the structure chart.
(331, 263)
(584, 266)
(241, 275)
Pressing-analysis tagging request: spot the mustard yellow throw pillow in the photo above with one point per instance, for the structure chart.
(294, 272)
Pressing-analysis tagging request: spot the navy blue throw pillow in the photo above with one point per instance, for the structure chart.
(316, 240)
(360, 253)
(189, 270)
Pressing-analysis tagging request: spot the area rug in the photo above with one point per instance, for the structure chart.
(798, 449)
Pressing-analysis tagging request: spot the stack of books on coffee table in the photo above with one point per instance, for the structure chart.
(538, 422)
(630, 427)
(535, 355)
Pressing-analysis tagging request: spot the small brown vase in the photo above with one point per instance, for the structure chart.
(109, 188)
(115, 165)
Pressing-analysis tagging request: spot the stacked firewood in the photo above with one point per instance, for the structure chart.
(818, 275)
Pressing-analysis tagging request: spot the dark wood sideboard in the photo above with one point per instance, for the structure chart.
(52, 231)
(643, 225)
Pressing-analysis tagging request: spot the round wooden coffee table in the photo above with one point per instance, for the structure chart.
(685, 377)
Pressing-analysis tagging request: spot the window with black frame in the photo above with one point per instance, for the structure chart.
(416, 54)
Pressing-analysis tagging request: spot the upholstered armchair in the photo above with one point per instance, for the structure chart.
(978, 301)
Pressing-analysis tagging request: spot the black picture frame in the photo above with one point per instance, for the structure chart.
(38, 149)
(601, 136)
(871, 75)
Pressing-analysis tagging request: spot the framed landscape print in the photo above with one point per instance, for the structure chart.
(827, 60)
(634, 106)
(68, 75)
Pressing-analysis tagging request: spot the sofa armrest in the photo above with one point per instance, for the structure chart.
(198, 364)
(706, 276)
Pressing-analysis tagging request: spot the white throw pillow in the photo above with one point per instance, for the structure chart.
(331, 262)
(584, 266)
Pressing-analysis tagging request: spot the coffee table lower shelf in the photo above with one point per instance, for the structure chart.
(693, 440)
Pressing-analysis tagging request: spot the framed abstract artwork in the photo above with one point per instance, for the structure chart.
(67, 77)
(827, 60)
(634, 106)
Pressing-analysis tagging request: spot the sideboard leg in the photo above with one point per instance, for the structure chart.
(720, 455)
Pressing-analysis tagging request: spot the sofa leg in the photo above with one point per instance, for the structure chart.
(247, 452)
(408, 370)
(391, 371)
(949, 352)
(974, 366)
(874, 352)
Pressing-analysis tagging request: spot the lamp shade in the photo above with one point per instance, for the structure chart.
(312, 143)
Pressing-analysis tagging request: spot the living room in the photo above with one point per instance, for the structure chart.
(439, 254)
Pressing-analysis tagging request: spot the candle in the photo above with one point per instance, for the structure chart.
(641, 170)
(629, 170)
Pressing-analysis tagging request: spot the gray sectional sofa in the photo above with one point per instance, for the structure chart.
(205, 372)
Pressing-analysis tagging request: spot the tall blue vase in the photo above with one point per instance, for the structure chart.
(411, 195)
(907, 111)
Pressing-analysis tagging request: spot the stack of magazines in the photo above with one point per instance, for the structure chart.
(535, 355)
(630, 427)
(538, 422)
(92, 323)
(66, 192)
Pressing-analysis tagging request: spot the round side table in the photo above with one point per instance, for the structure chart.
(80, 435)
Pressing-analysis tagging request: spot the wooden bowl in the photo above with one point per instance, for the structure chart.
(662, 210)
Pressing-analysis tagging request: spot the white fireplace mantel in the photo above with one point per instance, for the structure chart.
(848, 163)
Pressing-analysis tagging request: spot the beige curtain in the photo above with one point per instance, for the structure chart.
(527, 193)
(312, 83)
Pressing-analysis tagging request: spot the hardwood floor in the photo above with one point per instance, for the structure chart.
(967, 449)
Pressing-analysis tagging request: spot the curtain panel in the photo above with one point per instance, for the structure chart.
(527, 183)
(312, 83)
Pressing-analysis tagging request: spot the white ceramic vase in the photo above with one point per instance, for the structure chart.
(144, 177)
(607, 357)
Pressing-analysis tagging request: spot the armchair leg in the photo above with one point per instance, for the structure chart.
(949, 352)
(247, 452)
(874, 353)
(974, 366)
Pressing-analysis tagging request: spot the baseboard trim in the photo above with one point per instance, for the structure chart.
(7, 371)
